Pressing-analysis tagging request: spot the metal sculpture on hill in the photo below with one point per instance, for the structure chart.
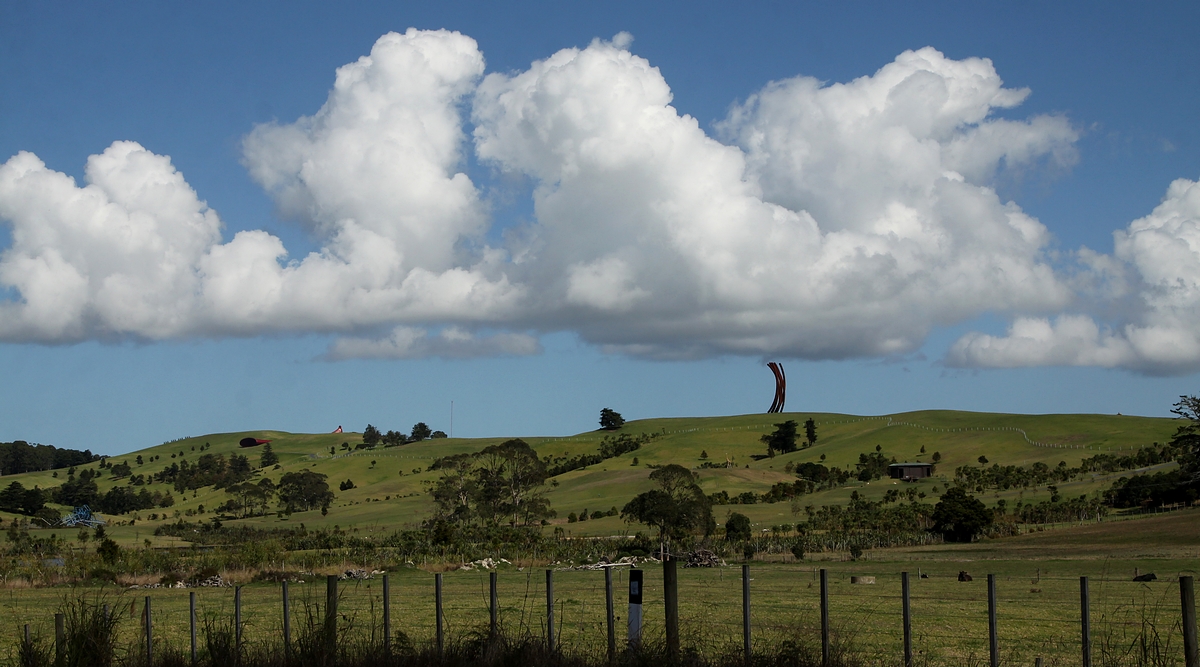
(252, 442)
(81, 516)
(780, 387)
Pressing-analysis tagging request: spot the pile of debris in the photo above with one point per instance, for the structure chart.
(605, 562)
(359, 574)
(214, 581)
(486, 563)
(702, 558)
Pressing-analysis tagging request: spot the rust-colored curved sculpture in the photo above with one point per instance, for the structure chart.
(780, 387)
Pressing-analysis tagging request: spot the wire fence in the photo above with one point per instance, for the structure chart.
(1007, 619)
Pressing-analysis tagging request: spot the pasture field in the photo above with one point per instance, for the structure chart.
(1038, 607)
(391, 483)
(1037, 585)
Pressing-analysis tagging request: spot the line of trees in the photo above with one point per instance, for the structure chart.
(610, 447)
(20, 456)
(373, 437)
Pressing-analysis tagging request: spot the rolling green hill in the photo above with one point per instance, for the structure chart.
(391, 483)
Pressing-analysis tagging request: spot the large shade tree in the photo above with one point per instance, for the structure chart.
(677, 508)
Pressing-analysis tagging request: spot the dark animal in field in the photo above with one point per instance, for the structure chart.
(924, 576)
(963, 576)
(1149, 576)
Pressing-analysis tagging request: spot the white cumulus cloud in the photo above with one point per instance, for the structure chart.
(821, 220)
(1157, 259)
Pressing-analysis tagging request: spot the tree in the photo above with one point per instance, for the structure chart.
(737, 527)
(420, 431)
(960, 517)
(983, 460)
(1187, 436)
(268, 458)
(510, 476)
(394, 438)
(783, 440)
(371, 436)
(937, 457)
(304, 490)
(611, 420)
(108, 551)
(438, 435)
(678, 507)
(810, 432)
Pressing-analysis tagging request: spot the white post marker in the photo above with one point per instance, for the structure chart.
(635, 608)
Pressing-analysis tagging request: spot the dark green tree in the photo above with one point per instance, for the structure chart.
(737, 527)
(371, 436)
(960, 517)
(677, 508)
(611, 420)
(810, 432)
(268, 458)
(304, 490)
(783, 440)
(1187, 436)
(420, 431)
(510, 477)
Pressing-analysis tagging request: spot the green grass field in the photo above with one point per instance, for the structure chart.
(391, 483)
(1038, 604)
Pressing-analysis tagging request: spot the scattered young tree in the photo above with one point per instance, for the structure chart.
(983, 460)
(437, 435)
(611, 420)
(268, 458)
(810, 432)
(783, 439)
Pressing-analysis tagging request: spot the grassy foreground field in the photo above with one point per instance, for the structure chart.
(391, 483)
(1037, 583)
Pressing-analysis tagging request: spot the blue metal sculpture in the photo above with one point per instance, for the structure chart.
(81, 516)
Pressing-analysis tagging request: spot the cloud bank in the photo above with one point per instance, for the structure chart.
(818, 221)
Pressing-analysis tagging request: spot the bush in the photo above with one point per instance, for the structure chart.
(737, 527)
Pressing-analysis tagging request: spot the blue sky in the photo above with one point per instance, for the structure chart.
(903, 228)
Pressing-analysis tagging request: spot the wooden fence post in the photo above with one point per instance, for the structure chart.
(149, 634)
(437, 603)
(550, 610)
(1085, 621)
(746, 611)
(192, 622)
(1187, 599)
(904, 604)
(60, 640)
(331, 586)
(237, 621)
(671, 601)
(610, 616)
(993, 641)
(287, 621)
(387, 617)
(824, 618)
(494, 604)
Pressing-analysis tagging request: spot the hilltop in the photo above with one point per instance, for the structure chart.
(390, 484)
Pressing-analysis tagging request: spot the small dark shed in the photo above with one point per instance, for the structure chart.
(908, 471)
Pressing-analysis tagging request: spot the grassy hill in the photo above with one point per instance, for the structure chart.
(391, 484)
